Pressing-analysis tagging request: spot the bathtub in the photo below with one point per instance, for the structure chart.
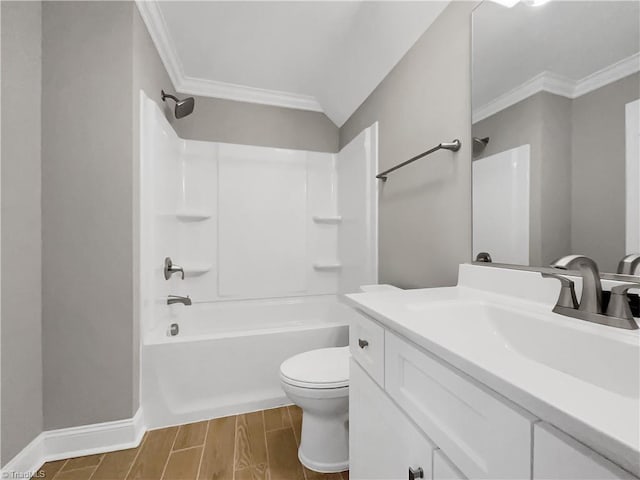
(226, 358)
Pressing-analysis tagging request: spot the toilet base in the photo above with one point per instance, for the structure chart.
(323, 468)
(324, 443)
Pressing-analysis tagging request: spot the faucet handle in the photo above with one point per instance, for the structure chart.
(619, 302)
(567, 297)
(170, 268)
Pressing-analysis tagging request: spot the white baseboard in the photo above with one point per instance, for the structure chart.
(27, 461)
(75, 442)
(112, 436)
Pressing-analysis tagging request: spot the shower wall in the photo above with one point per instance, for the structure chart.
(248, 222)
(356, 168)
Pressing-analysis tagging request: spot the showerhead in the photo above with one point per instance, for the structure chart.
(479, 144)
(183, 107)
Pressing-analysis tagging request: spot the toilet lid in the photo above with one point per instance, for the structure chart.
(323, 368)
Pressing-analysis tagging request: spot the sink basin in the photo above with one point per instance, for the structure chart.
(609, 361)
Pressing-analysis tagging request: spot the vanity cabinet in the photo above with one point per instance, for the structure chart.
(383, 442)
(443, 469)
(556, 456)
(408, 408)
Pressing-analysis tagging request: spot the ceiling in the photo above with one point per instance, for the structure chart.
(311, 55)
(568, 42)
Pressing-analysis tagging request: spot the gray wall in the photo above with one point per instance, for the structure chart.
(87, 202)
(598, 187)
(543, 121)
(425, 217)
(21, 374)
(221, 120)
(555, 178)
(100, 54)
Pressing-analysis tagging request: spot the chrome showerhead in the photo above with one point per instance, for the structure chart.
(479, 144)
(183, 107)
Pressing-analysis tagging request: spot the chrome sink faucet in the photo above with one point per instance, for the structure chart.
(590, 306)
(591, 299)
(171, 299)
(630, 265)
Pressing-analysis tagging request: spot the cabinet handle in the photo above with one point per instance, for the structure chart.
(414, 473)
(362, 343)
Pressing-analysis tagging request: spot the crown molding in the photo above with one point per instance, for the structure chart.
(157, 27)
(559, 85)
(153, 19)
(242, 93)
(607, 75)
(544, 81)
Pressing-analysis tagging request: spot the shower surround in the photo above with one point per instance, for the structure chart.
(268, 238)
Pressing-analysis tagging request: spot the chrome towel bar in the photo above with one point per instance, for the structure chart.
(453, 146)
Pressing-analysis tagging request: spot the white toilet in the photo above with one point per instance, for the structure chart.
(318, 382)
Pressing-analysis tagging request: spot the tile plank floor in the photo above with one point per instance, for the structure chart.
(254, 446)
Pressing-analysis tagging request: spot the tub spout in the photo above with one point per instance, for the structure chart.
(171, 299)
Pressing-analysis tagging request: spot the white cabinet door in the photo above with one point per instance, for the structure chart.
(443, 469)
(383, 443)
(486, 436)
(556, 456)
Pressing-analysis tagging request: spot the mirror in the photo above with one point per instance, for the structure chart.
(556, 127)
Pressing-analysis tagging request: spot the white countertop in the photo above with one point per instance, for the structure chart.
(497, 327)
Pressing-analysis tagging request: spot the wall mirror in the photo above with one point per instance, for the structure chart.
(556, 127)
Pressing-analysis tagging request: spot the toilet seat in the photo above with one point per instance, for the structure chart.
(325, 368)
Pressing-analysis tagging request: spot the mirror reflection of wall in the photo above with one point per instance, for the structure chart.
(561, 78)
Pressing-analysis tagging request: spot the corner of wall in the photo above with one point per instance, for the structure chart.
(21, 377)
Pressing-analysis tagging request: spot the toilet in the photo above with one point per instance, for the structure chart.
(318, 382)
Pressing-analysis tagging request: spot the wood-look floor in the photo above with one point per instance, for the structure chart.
(254, 446)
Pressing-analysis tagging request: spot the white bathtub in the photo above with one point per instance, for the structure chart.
(226, 358)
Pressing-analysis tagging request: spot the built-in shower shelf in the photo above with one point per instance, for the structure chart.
(196, 269)
(327, 266)
(327, 219)
(193, 215)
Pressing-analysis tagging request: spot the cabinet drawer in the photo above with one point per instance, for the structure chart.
(443, 469)
(366, 340)
(556, 456)
(484, 435)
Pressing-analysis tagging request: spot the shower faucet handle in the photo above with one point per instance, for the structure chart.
(170, 268)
